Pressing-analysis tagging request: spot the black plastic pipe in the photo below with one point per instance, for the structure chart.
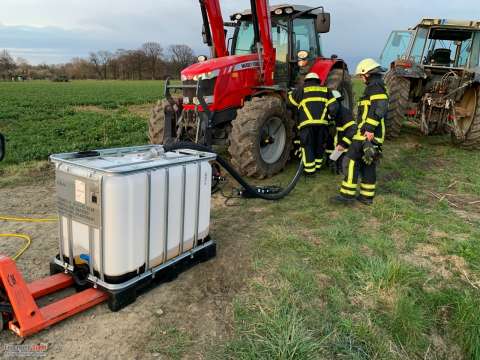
(251, 190)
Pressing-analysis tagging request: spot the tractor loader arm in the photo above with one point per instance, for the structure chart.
(213, 27)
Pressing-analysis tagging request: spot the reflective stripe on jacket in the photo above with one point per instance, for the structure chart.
(314, 104)
(372, 109)
(345, 126)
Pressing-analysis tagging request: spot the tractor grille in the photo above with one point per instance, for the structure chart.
(207, 88)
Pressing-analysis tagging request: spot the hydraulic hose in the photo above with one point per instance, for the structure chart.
(251, 190)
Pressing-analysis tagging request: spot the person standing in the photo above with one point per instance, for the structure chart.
(360, 162)
(315, 103)
(342, 129)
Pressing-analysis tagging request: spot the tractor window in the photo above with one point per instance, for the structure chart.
(244, 42)
(448, 47)
(305, 36)
(475, 57)
(418, 45)
(280, 43)
(396, 47)
(280, 38)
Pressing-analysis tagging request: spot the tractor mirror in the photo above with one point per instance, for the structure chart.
(2, 147)
(323, 23)
(204, 35)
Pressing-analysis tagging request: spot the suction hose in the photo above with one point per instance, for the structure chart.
(251, 190)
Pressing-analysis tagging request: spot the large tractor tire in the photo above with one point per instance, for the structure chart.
(156, 123)
(262, 137)
(339, 79)
(398, 91)
(469, 135)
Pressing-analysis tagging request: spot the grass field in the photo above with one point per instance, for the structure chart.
(398, 280)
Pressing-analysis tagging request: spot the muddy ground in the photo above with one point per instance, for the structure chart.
(198, 302)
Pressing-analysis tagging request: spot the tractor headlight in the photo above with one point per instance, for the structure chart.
(288, 10)
(238, 16)
(207, 75)
(201, 58)
(302, 55)
(278, 11)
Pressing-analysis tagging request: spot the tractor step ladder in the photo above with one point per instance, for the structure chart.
(28, 317)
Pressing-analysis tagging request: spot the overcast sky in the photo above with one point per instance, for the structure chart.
(54, 31)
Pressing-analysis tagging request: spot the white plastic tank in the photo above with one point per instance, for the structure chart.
(126, 210)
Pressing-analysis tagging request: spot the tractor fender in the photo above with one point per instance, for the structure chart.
(408, 69)
(323, 66)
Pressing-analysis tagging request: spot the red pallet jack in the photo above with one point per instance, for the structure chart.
(18, 307)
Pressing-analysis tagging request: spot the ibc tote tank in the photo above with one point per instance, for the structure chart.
(124, 211)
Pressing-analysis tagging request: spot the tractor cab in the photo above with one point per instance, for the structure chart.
(434, 79)
(436, 44)
(295, 28)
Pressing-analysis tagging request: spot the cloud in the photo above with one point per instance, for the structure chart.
(75, 27)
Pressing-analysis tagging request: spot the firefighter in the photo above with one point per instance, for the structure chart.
(360, 161)
(314, 103)
(342, 129)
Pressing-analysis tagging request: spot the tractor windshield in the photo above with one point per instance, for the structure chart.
(445, 47)
(396, 47)
(304, 33)
(245, 37)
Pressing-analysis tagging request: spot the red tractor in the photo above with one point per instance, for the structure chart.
(238, 97)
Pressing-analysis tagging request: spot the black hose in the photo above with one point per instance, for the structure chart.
(251, 190)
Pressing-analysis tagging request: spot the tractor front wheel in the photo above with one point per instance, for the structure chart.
(261, 137)
(398, 90)
(156, 123)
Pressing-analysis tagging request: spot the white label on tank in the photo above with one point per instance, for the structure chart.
(80, 191)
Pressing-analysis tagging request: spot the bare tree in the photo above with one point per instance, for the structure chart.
(154, 52)
(181, 56)
(101, 61)
(95, 61)
(7, 65)
(139, 59)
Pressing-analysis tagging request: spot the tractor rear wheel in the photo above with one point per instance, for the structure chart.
(261, 137)
(467, 134)
(398, 90)
(339, 79)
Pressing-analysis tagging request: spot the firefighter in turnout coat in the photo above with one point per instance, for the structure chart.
(360, 162)
(315, 104)
(342, 129)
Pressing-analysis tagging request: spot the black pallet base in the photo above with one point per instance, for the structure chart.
(118, 299)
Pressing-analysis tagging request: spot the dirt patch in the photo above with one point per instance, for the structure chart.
(198, 302)
(440, 349)
(429, 257)
(143, 111)
(90, 108)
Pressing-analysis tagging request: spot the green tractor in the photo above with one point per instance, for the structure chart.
(433, 79)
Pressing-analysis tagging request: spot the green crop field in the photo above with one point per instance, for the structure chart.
(40, 118)
(397, 280)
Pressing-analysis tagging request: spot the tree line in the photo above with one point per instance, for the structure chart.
(149, 62)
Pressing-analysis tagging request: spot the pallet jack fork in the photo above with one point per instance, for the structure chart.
(25, 317)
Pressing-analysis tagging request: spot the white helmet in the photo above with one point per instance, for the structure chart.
(312, 75)
(365, 66)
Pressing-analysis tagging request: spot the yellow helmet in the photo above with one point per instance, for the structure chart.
(365, 66)
(312, 75)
